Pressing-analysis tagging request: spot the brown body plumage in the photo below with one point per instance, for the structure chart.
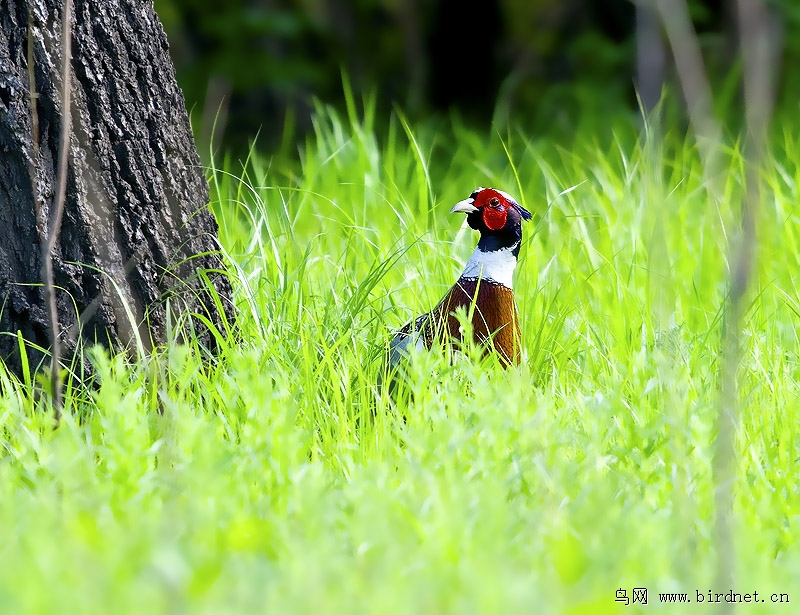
(495, 323)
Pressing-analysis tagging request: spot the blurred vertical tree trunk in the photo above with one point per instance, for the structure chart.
(760, 41)
(136, 229)
(651, 55)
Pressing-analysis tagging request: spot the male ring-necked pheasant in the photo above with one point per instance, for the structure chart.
(485, 287)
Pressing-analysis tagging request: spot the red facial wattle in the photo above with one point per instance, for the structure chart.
(494, 207)
(495, 217)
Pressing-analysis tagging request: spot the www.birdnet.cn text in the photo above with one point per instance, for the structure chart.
(640, 595)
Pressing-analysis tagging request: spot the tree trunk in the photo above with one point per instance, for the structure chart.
(136, 229)
(651, 55)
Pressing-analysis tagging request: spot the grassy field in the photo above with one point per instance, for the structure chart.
(267, 486)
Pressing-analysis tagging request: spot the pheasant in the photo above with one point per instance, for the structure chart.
(484, 288)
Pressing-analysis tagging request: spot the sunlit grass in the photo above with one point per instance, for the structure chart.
(280, 479)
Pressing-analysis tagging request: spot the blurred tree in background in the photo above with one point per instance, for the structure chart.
(252, 65)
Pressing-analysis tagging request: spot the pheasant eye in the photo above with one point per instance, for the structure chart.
(494, 202)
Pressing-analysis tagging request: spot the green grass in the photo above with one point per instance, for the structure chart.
(266, 485)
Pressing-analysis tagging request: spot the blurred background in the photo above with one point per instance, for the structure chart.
(256, 67)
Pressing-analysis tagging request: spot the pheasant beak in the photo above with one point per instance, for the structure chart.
(466, 206)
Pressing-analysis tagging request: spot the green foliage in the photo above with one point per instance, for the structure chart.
(266, 61)
(258, 65)
(279, 479)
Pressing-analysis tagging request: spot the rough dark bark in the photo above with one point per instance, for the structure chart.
(136, 228)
